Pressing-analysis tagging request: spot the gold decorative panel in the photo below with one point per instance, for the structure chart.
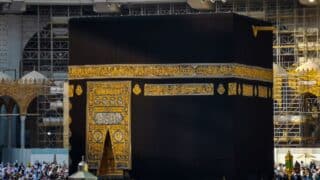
(256, 29)
(79, 90)
(221, 90)
(232, 89)
(136, 89)
(178, 89)
(156, 71)
(263, 91)
(247, 90)
(108, 110)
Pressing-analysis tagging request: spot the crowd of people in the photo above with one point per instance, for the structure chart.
(41, 171)
(46, 171)
(300, 171)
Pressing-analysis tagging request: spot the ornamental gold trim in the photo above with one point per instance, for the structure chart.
(194, 89)
(166, 71)
(221, 90)
(79, 90)
(247, 90)
(232, 89)
(206, 89)
(136, 89)
(256, 29)
(263, 91)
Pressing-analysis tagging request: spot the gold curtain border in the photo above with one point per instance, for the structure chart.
(167, 71)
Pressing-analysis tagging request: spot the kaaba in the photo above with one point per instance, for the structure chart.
(172, 96)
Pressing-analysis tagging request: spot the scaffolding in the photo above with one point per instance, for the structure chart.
(47, 51)
(288, 117)
(296, 42)
(50, 121)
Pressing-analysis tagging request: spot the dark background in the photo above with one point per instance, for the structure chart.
(219, 38)
(185, 137)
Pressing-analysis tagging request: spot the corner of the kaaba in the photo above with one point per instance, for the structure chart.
(172, 97)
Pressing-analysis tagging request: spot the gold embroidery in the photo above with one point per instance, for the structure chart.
(154, 71)
(247, 90)
(256, 29)
(178, 89)
(221, 90)
(79, 90)
(263, 91)
(136, 89)
(108, 111)
(232, 89)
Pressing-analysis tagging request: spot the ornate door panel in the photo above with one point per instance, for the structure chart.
(108, 110)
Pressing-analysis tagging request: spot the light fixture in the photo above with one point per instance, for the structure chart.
(14, 7)
(214, 1)
(308, 2)
(101, 6)
(204, 5)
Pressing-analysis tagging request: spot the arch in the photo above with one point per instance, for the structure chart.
(22, 94)
(10, 123)
(33, 103)
(25, 104)
(31, 49)
(30, 52)
(2, 102)
(42, 132)
(32, 128)
(3, 126)
(17, 97)
(9, 102)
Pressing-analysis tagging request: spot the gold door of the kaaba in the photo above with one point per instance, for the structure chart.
(108, 123)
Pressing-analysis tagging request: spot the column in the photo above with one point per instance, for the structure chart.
(3, 126)
(9, 131)
(22, 130)
(14, 118)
